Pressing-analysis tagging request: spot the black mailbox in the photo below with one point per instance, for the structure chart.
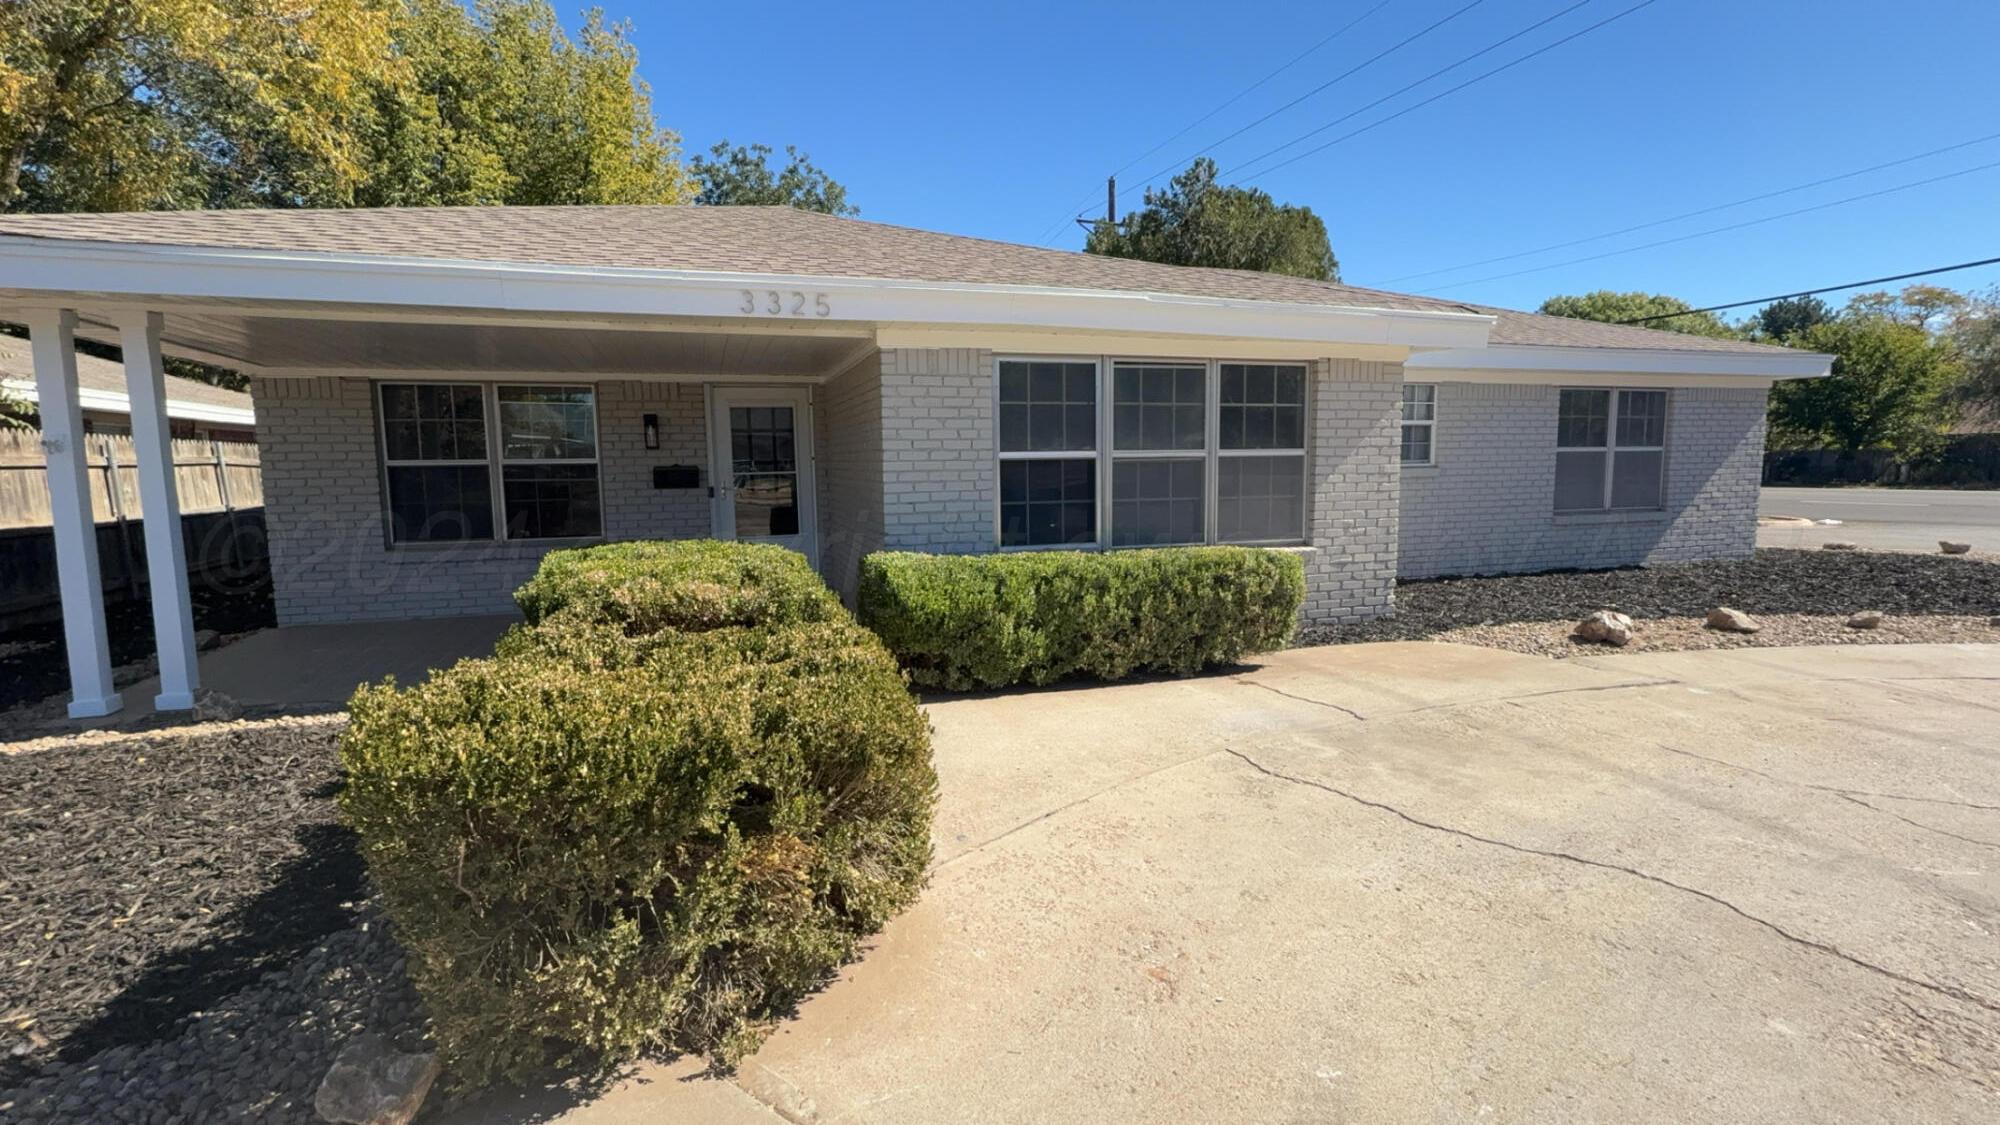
(676, 476)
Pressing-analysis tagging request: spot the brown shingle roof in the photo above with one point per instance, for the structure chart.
(777, 240)
(92, 373)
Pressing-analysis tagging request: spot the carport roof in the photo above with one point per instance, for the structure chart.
(778, 240)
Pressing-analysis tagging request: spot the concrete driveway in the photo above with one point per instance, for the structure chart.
(1422, 882)
(1890, 519)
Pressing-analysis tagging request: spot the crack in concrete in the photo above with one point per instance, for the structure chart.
(1834, 789)
(1349, 712)
(1952, 991)
(1513, 699)
(1916, 823)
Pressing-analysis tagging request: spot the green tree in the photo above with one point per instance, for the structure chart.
(1614, 308)
(1888, 389)
(1974, 333)
(1779, 321)
(1198, 222)
(742, 175)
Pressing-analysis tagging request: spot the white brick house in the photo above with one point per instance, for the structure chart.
(443, 395)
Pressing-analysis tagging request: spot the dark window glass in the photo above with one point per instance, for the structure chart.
(547, 423)
(1156, 502)
(551, 501)
(1583, 419)
(1642, 418)
(1263, 406)
(1047, 407)
(433, 421)
(1579, 480)
(1635, 478)
(1417, 445)
(440, 503)
(1260, 499)
(1158, 407)
(1046, 503)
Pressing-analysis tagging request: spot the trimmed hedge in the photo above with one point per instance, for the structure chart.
(984, 621)
(602, 842)
(692, 584)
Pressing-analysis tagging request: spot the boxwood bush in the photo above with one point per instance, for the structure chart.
(604, 841)
(691, 584)
(983, 621)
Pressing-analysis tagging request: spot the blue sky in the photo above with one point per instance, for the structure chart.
(1000, 120)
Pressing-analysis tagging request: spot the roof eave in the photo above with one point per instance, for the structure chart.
(1769, 363)
(138, 273)
(116, 402)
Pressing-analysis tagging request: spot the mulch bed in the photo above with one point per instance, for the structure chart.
(34, 665)
(1773, 582)
(144, 878)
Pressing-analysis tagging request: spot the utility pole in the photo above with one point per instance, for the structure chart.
(1111, 200)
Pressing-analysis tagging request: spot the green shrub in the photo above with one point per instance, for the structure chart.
(692, 584)
(615, 836)
(978, 621)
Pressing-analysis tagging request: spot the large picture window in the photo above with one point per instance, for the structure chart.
(1183, 452)
(451, 450)
(1610, 450)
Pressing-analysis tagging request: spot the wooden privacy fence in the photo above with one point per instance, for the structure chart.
(211, 476)
(222, 520)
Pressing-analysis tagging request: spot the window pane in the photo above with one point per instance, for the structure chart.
(761, 440)
(1156, 503)
(1419, 402)
(1635, 479)
(1642, 418)
(433, 421)
(550, 501)
(1048, 502)
(1583, 418)
(1158, 407)
(1260, 499)
(1579, 481)
(1417, 444)
(440, 503)
(1047, 407)
(1263, 406)
(547, 423)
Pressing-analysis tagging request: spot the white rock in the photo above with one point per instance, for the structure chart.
(1866, 619)
(1951, 548)
(1605, 627)
(372, 1083)
(1829, 523)
(1727, 620)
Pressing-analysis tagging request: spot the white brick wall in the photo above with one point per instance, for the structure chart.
(850, 472)
(1352, 490)
(1488, 505)
(938, 476)
(323, 503)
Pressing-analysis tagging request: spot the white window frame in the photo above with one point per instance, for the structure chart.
(1106, 456)
(1428, 425)
(495, 461)
(1611, 448)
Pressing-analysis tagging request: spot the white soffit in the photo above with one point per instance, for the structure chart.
(1516, 363)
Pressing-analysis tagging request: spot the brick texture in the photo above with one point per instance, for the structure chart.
(1352, 491)
(938, 475)
(850, 472)
(1487, 506)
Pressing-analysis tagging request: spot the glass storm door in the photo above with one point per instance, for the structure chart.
(762, 446)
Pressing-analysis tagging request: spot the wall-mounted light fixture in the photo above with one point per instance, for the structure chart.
(652, 431)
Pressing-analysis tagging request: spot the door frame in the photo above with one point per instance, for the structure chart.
(716, 399)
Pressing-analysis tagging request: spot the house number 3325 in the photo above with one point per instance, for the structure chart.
(773, 302)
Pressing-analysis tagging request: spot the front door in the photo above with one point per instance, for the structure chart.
(761, 444)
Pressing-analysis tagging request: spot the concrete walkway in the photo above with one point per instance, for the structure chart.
(1420, 882)
(302, 668)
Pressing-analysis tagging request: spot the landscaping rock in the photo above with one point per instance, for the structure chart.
(1605, 627)
(1951, 548)
(1731, 620)
(214, 706)
(1839, 545)
(205, 639)
(372, 1083)
(1866, 619)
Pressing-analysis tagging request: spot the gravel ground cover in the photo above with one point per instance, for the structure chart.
(183, 932)
(1800, 597)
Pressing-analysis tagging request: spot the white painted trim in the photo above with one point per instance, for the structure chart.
(805, 484)
(487, 375)
(1156, 346)
(1522, 364)
(66, 266)
(159, 499)
(114, 402)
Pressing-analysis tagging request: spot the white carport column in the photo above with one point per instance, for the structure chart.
(52, 338)
(159, 499)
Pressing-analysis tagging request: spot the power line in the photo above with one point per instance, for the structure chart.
(1348, 73)
(1719, 230)
(1822, 182)
(1455, 89)
(1239, 96)
(1489, 48)
(1815, 292)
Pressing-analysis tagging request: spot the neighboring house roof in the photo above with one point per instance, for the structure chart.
(781, 240)
(101, 385)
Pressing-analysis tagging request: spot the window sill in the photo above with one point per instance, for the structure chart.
(1424, 468)
(1623, 515)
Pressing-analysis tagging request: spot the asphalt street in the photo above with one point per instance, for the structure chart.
(1885, 518)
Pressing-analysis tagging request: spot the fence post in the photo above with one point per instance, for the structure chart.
(114, 492)
(231, 556)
